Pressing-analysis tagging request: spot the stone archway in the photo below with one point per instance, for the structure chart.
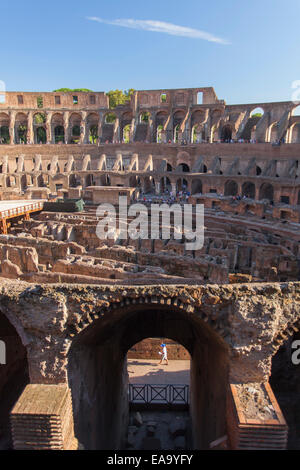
(14, 376)
(97, 369)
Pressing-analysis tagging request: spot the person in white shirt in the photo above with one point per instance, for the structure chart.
(164, 354)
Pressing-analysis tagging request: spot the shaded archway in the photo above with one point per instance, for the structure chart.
(231, 188)
(165, 184)
(248, 190)
(97, 370)
(181, 184)
(197, 187)
(21, 128)
(183, 167)
(266, 191)
(4, 128)
(285, 383)
(14, 376)
(226, 134)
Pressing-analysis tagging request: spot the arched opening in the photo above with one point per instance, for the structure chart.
(21, 128)
(97, 369)
(108, 127)
(200, 97)
(198, 134)
(160, 120)
(14, 376)
(4, 129)
(23, 182)
(125, 127)
(41, 135)
(226, 134)
(183, 167)
(266, 191)
(296, 111)
(181, 184)
(169, 167)
(134, 181)
(178, 118)
(285, 383)
(126, 134)
(144, 117)
(196, 187)
(4, 135)
(39, 123)
(149, 185)
(295, 134)
(154, 365)
(248, 133)
(248, 190)
(159, 134)
(165, 185)
(92, 128)
(176, 134)
(89, 180)
(59, 134)
(41, 181)
(75, 128)
(272, 134)
(231, 188)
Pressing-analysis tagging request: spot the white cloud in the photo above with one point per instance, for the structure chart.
(161, 27)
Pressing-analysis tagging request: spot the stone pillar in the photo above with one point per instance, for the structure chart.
(83, 133)
(173, 185)
(116, 135)
(100, 123)
(30, 132)
(66, 126)
(132, 130)
(12, 127)
(157, 188)
(42, 419)
(49, 128)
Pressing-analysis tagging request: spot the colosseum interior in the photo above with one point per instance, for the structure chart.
(73, 305)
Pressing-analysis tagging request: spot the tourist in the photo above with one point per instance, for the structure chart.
(164, 354)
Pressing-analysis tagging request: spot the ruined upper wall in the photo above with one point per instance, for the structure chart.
(54, 100)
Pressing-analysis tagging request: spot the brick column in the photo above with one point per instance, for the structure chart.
(12, 127)
(42, 419)
(49, 128)
(66, 126)
(30, 132)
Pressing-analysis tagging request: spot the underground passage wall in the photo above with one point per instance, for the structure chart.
(14, 377)
(97, 373)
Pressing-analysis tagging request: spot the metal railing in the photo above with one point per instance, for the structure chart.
(15, 211)
(169, 394)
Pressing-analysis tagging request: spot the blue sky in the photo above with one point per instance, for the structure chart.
(248, 51)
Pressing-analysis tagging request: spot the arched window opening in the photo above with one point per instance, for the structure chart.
(231, 188)
(226, 135)
(126, 134)
(59, 134)
(248, 190)
(183, 167)
(266, 191)
(196, 187)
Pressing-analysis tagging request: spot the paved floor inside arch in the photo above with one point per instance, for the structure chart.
(148, 371)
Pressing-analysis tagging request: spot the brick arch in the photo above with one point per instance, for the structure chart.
(290, 329)
(216, 326)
